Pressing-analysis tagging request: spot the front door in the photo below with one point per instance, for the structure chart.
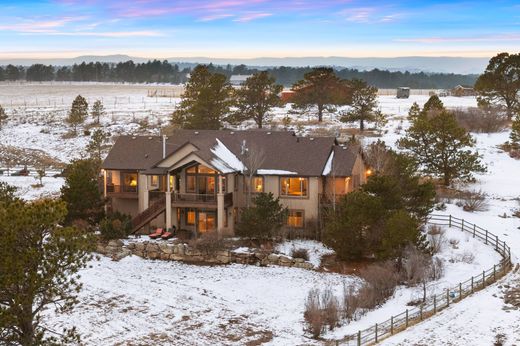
(206, 221)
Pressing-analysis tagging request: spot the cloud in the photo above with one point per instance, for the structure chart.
(216, 16)
(119, 34)
(247, 17)
(483, 38)
(369, 15)
(41, 26)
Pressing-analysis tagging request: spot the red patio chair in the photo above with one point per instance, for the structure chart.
(158, 233)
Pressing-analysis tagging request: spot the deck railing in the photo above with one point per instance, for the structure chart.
(436, 303)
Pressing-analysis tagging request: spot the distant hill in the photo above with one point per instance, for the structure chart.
(459, 65)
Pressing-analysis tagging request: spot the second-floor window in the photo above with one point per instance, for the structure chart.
(257, 184)
(294, 186)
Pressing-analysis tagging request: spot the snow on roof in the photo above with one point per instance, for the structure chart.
(274, 172)
(225, 161)
(328, 166)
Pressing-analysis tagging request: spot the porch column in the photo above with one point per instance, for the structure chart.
(143, 194)
(220, 205)
(168, 195)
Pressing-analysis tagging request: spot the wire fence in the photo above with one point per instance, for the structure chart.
(436, 303)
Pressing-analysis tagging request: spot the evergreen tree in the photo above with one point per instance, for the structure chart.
(97, 145)
(442, 147)
(39, 265)
(434, 104)
(401, 230)
(515, 133)
(414, 111)
(320, 89)
(500, 82)
(263, 219)
(3, 116)
(205, 102)
(257, 96)
(97, 111)
(7, 193)
(78, 112)
(81, 191)
(364, 104)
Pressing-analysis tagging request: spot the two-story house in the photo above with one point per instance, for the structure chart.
(197, 180)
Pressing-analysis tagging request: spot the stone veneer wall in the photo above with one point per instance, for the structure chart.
(182, 252)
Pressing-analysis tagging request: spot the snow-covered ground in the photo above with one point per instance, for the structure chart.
(146, 302)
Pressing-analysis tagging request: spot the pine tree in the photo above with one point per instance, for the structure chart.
(81, 191)
(97, 145)
(414, 111)
(97, 111)
(364, 104)
(206, 101)
(442, 147)
(500, 82)
(78, 112)
(515, 132)
(257, 96)
(321, 90)
(3, 116)
(263, 219)
(434, 104)
(39, 264)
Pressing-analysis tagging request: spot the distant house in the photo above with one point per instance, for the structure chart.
(287, 96)
(461, 90)
(238, 79)
(194, 180)
(403, 92)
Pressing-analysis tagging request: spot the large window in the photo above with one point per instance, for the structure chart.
(201, 180)
(190, 217)
(294, 187)
(295, 219)
(129, 182)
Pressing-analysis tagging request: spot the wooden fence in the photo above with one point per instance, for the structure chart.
(436, 303)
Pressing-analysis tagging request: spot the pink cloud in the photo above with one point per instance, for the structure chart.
(487, 38)
(247, 17)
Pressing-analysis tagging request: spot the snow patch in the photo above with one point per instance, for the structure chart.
(275, 172)
(328, 165)
(225, 161)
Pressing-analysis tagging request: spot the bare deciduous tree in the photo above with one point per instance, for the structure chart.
(252, 157)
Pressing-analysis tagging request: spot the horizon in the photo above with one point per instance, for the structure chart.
(233, 29)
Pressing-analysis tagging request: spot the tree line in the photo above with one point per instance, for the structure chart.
(165, 72)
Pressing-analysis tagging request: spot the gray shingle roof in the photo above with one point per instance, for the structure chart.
(283, 151)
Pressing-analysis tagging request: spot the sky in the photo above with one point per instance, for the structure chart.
(257, 28)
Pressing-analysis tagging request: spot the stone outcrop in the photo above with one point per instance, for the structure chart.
(182, 252)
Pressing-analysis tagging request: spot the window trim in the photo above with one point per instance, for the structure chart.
(280, 180)
(295, 211)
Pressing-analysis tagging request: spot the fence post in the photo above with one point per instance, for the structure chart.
(449, 223)
(448, 297)
(486, 236)
(406, 318)
(462, 227)
(434, 304)
(494, 272)
(421, 313)
(392, 325)
(359, 338)
(472, 289)
(460, 291)
(496, 249)
(474, 230)
(376, 332)
(483, 278)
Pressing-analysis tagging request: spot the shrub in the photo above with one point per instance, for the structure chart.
(300, 253)
(115, 226)
(208, 243)
(436, 238)
(350, 302)
(474, 201)
(330, 307)
(415, 266)
(380, 282)
(481, 120)
(312, 314)
(436, 269)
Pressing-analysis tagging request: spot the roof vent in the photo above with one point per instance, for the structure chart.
(232, 133)
(311, 139)
(150, 138)
(146, 155)
(268, 133)
(196, 132)
(133, 137)
(344, 148)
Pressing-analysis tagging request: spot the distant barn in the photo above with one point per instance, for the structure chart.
(403, 92)
(461, 90)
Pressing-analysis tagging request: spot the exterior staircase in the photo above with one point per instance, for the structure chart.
(149, 214)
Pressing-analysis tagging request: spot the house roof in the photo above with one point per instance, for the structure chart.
(283, 152)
